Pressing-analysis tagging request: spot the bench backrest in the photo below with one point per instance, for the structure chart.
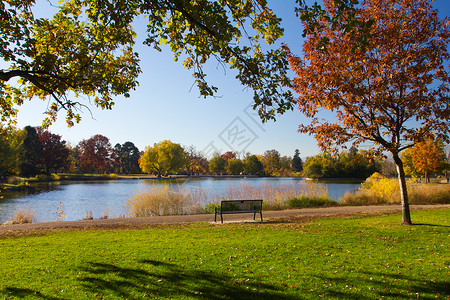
(241, 205)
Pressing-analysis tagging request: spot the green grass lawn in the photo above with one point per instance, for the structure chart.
(353, 258)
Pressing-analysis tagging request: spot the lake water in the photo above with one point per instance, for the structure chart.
(110, 197)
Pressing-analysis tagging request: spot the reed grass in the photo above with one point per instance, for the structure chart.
(275, 196)
(429, 193)
(22, 216)
(159, 202)
(387, 191)
(166, 200)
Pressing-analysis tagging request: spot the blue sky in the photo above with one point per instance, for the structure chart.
(166, 105)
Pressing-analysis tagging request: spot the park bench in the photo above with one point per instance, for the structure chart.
(238, 206)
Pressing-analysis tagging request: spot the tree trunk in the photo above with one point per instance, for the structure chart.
(406, 215)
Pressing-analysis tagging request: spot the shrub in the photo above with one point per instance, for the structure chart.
(14, 180)
(306, 201)
(106, 213)
(54, 177)
(89, 215)
(113, 176)
(41, 177)
(296, 174)
(22, 216)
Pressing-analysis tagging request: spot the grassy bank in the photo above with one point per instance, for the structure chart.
(354, 258)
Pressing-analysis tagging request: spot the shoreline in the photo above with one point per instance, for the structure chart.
(288, 215)
(27, 184)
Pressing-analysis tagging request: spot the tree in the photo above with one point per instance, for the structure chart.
(197, 163)
(95, 154)
(320, 166)
(356, 164)
(32, 155)
(346, 164)
(235, 166)
(229, 155)
(271, 161)
(388, 168)
(86, 48)
(127, 157)
(11, 141)
(297, 163)
(344, 18)
(164, 158)
(55, 153)
(253, 166)
(217, 164)
(393, 93)
(76, 52)
(74, 160)
(285, 162)
(424, 158)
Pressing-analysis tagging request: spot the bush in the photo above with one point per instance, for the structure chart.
(296, 174)
(54, 177)
(14, 180)
(41, 177)
(113, 176)
(89, 215)
(22, 216)
(306, 201)
(210, 208)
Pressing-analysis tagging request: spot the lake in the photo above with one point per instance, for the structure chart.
(110, 197)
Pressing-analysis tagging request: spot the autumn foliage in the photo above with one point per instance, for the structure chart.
(55, 153)
(392, 94)
(95, 154)
(424, 158)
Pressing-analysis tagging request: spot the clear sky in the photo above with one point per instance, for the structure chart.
(166, 105)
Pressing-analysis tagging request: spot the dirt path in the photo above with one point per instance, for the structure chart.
(139, 222)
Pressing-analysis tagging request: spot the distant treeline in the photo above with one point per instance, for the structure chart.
(34, 150)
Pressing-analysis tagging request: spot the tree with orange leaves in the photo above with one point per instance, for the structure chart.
(392, 93)
(424, 158)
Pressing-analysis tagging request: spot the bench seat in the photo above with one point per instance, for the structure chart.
(238, 206)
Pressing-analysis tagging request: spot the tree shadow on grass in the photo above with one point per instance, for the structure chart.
(169, 280)
(388, 285)
(15, 292)
(431, 225)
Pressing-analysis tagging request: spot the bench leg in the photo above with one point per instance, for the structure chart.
(215, 216)
(261, 216)
(254, 215)
(221, 217)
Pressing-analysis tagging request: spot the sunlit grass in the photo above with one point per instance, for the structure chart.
(161, 201)
(352, 258)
